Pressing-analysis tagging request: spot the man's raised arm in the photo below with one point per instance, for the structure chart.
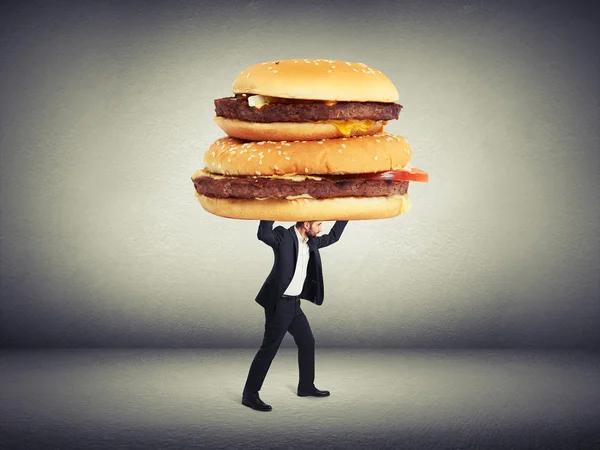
(334, 234)
(267, 235)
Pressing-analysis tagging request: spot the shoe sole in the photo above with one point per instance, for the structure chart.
(316, 396)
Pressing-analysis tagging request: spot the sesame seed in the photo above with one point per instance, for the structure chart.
(269, 68)
(276, 71)
(257, 172)
(248, 75)
(279, 146)
(249, 158)
(228, 159)
(377, 140)
(343, 139)
(340, 150)
(343, 145)
(279, 152)
(349, 63)
(333, 67)
(260, 143)
(275, 167)
(287, 157)
(306, 170)
(319, 142)
(355, 70)
(260, 160)
(287, 145)
(329, 71)
(376, 157)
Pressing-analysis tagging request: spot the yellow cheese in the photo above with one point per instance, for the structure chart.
(348, 126)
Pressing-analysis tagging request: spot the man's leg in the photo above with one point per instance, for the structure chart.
(276, 324)
(299, 328)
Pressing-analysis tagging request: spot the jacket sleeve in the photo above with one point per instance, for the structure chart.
(333, 235)
(269, 236)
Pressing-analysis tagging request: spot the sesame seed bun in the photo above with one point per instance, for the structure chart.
(361, 154)
(316, 79)
(342, 208)
(288, 131)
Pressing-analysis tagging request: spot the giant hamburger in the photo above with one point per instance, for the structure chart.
(307, 99)
(300, 169)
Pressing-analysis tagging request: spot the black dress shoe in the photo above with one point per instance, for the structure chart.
(254, 402)
(313, 393)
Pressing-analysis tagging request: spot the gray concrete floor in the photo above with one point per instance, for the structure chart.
(174, 399)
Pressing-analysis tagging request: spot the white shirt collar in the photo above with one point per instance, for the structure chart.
(300, 238)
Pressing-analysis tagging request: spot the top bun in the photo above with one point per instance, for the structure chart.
(316, 79)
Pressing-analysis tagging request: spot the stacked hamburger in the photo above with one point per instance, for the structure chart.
(306, 142)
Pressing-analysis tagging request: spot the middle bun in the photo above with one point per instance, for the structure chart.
(361, 154)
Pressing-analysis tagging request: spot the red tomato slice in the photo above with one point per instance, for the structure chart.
(413, 174)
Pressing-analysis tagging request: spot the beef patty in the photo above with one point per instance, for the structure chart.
(238, 108)
(327, 187)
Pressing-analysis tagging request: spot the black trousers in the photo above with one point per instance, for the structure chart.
(286, 315)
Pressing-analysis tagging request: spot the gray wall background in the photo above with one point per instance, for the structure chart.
(107, 110)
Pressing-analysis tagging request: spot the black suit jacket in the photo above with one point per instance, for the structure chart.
(284, 243)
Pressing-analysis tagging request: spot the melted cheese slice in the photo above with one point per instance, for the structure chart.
(348, 126)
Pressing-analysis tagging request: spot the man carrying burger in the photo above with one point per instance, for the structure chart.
(296, 274)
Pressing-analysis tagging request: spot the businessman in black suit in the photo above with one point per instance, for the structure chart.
(296, 274)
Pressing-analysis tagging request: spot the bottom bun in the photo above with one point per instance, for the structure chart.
(288, 131)
(304, 209)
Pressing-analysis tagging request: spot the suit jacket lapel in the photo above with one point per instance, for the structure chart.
(295, 241)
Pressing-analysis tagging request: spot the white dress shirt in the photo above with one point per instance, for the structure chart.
(295, 287)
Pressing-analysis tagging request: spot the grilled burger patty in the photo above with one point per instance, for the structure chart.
(238, 108)
(254, 187)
